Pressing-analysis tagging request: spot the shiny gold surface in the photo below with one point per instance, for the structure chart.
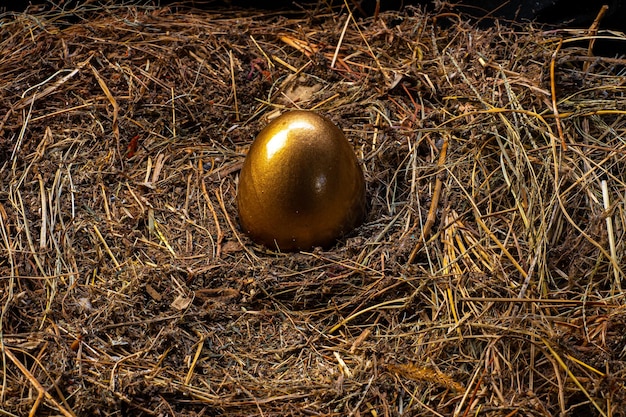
(301, 184)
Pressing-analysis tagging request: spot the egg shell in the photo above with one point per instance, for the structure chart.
(301, 184)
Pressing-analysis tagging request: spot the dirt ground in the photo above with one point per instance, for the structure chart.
(486, 279)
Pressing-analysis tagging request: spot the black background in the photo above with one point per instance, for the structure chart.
(571, 13)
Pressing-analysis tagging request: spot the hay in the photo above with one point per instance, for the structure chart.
(486, 280)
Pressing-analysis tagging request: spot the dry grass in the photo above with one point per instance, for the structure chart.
(486, 280)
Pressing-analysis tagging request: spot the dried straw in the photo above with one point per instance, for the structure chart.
(486, 280)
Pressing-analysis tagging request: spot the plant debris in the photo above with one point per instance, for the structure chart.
(486, 279)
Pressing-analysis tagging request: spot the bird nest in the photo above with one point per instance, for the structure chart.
(486, 279)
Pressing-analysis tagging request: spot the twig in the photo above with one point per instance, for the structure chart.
(434, 204)
(113, 101)
(537, 300)
(387, 305)
(593, 31)
(611, 234)
(174, 113)
(194, 362)
(343, 33)
(234, 84)
(220, 234)
(47, 91)
(555, 109)
(106, 246)
(40, 389)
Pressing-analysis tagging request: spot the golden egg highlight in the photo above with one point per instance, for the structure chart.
(300, 185)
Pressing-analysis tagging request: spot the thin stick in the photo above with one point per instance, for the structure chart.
(386, 305)
(270, 64)
(536, 300)
(343, 33)
(432, 211)
(40, 389)
(323, 102)
(44, 214)
(220, 234)
(234, 85)
(173, 113)
(26, 102)
(20, 137)
(106, 246)
(163, 239)
(469, 390)
(112, 100)
(555, 109)
(369, 48)
(195, 360)
(593, 31)
(218, 195)
(611, 233)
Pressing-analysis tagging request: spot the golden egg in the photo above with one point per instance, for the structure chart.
(300, 185)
